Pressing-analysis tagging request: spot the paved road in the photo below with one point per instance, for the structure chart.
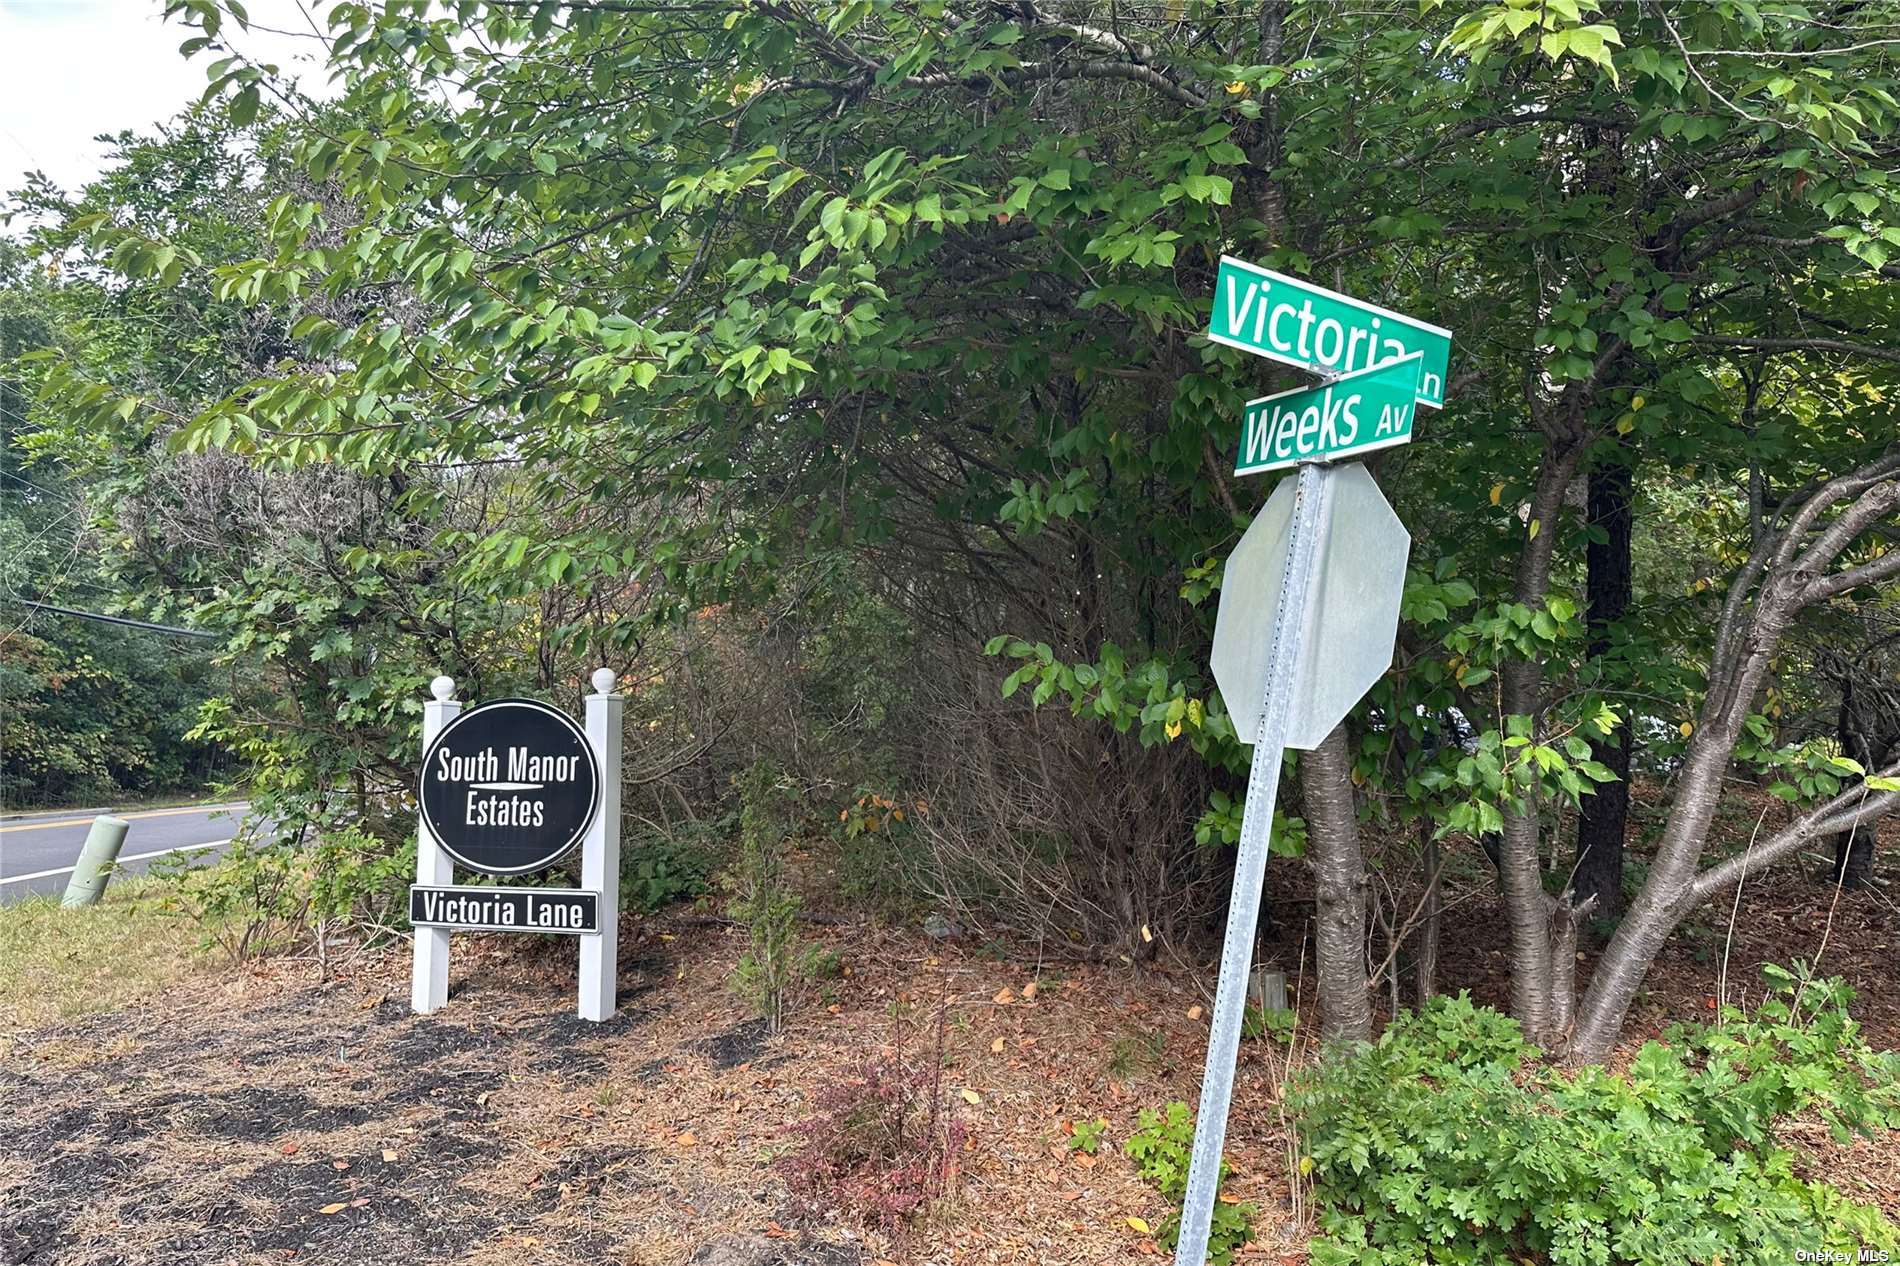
(37, 851)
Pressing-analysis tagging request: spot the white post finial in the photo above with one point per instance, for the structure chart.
(443, 688)
(604, 681)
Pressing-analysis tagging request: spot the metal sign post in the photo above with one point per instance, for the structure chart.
(1310, 601)
(1243, 910)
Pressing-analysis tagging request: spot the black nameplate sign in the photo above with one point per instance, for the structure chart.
(509, 787)
(468, 909)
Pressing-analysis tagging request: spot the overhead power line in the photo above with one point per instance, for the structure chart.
(172, 629)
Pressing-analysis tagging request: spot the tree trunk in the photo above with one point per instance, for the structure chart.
(1339, 873)
(1854, 850)
(1427, 964)
(1603, 818)
(1527, 907)
(1786, 572)
(1854, 858)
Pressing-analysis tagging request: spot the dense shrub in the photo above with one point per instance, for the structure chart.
(267, 893)
(658, 868)
(1446, 1141)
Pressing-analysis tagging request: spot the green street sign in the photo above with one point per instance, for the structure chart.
(1345, 417)
(1298, 323)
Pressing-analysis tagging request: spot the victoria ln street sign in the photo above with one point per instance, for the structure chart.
(505, 909)
(510, 787)
(1298, 323)
(1351, 415)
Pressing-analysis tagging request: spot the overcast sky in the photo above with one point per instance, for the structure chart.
(72, 69)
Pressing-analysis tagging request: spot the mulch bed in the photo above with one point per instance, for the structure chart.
(252, 1117)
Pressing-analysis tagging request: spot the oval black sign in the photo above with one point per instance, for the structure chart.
(509, 787)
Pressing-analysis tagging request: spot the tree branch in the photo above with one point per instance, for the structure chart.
(1852, 807)
(1029, 72)
(1888, 354)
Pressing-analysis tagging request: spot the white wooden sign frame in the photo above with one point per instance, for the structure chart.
(600, 861)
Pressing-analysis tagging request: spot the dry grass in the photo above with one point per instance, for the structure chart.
(56, 964)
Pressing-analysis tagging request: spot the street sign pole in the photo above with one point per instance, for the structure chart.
(1243, 910)
(1337, 604)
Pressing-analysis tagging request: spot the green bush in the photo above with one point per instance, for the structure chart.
(1161, 1147)
(1447, 1142)
(265, 894)
(658, 869)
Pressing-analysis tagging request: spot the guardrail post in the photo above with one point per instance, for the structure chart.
(96, 860)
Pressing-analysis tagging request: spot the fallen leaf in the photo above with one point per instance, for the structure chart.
(1005, 996)
(687, 1139)
(359, 1202)
(338, 1207)
(388, 1155)
(971, 1097)
(1138, 1224)
(1029, 990)
(290, 1149)
(996, 1047)
(1146, 935)
(339, 1165)
(1194, 1012)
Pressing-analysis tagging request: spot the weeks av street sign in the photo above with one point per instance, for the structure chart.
(1354, 414)
(1298, 323)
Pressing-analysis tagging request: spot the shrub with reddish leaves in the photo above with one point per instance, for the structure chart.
(879, 1146)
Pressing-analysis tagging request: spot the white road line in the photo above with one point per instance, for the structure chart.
(127, 857)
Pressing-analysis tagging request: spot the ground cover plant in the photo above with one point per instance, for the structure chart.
(1447, 1141)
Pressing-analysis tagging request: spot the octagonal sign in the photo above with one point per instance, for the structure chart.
(1347, 630)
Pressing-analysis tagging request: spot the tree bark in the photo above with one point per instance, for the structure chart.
(1603, 818)
(1854, 850)
(1427, 964)
(1527, 907)
(1339, 873)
